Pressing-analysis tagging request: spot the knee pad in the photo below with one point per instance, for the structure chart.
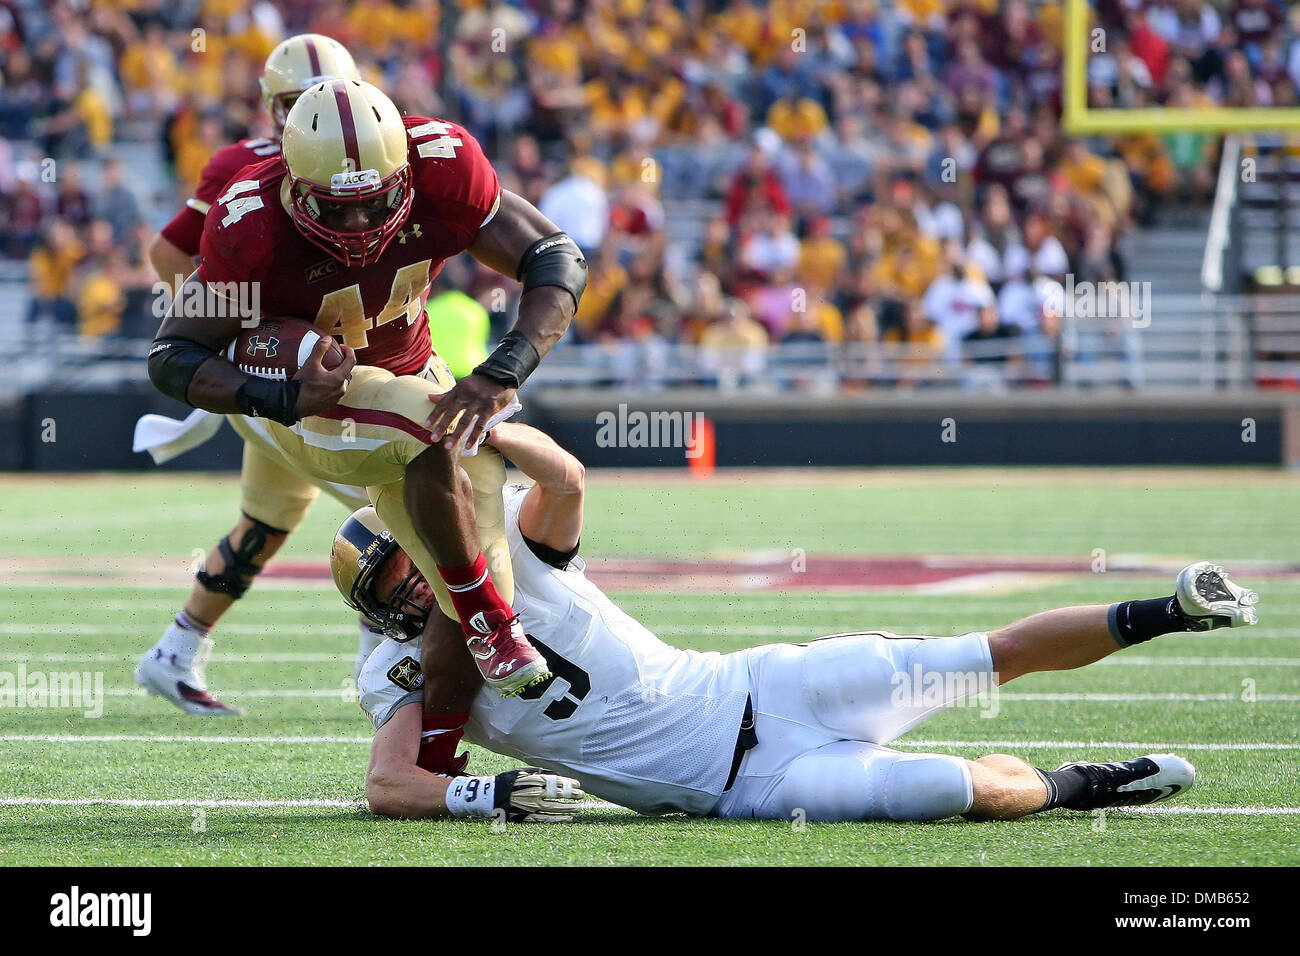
(860, 782)
(830, 789)
(239, 562)
(925, 787)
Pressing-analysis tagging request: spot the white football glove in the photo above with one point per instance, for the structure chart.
(526, 795)
(532, 795)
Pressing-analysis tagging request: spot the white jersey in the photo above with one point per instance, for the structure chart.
(640, 723)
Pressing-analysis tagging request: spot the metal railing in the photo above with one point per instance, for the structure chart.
(1203, 343)
(1220, 232)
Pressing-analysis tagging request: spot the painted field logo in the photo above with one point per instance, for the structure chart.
(639, 429)
(917, 689)
(75, 909)
(76, 690)
(1103, 300)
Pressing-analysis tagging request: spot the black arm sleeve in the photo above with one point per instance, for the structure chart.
(172, 364)
(554, 260)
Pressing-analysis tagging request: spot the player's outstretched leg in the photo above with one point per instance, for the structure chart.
(1007, 788)
(1065, 638)
(854, 780)
(439, 498)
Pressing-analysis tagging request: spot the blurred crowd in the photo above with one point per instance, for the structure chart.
(738, 172)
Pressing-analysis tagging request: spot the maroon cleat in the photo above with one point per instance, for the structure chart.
(504, 656)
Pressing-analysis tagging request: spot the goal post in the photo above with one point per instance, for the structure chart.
(1079, 119)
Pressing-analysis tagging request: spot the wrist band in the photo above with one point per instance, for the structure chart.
(512, 362)
(472, 797)
(264, 398)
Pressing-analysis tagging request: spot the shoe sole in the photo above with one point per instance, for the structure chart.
(1243, 598)
(535, 672)
(194, 710)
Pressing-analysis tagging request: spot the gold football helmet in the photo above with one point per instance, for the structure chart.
(349, 183)
(298, 64)
(361, 547)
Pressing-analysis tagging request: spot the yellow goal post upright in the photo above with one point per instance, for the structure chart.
(1079, 119)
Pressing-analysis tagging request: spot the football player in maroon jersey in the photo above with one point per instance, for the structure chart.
(346, 230)
(297, 64)
(275, 498)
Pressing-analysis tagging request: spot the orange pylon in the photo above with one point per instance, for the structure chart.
(701, 456)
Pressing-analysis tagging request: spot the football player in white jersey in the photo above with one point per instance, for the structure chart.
(769, 732)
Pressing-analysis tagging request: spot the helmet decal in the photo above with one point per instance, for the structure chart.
(361, 547)
(313, 56)
(349, 127)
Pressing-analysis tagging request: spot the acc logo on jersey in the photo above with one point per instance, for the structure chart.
(263, 346)
(406, 674)
(321, 270)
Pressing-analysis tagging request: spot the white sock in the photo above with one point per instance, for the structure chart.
(366, 644)
(181, 640)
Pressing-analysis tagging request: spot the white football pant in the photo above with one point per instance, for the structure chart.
(824, 711)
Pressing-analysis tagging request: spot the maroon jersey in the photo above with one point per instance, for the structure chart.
(186, 228)
(377, 309)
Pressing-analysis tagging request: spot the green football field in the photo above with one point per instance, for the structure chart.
(94, 566)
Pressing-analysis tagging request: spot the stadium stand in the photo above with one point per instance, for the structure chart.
(824, 194)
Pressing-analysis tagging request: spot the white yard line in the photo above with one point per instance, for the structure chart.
(173, 739)
(1176, 810)
(308, 657)
(1150, 698)
(346, 693)
(804, 632)
(343, 694)
(108, 802)
(1089, 744)
(1136, 660)
(284, 657)
(922, 744)
(98, 630)
(588, 805)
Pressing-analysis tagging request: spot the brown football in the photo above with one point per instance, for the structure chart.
(276, 348)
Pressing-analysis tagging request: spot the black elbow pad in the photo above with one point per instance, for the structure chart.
(554, 260)
(172, 364)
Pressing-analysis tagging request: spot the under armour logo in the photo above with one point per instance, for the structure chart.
(480, 624)
(505, 667)
(260, 346)
(414, 233)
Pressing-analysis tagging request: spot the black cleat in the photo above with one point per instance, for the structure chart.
(1128, 783)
